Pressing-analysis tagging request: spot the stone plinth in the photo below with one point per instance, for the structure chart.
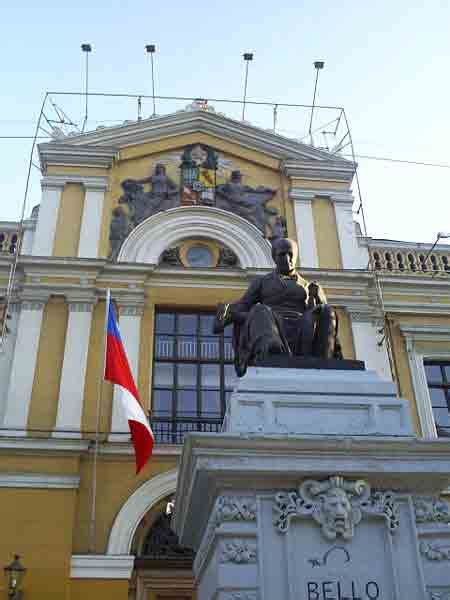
(280, 510)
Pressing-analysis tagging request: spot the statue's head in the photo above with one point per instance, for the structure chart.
(284, 254)
(236, 176)
(160, 169)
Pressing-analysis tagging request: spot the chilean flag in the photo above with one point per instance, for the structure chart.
(117, 371)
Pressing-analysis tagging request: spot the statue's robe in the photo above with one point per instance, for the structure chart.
(277, 316)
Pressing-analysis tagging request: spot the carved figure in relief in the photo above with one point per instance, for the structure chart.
(163, 194)
(280, 313)
(118, 231)
(247, 202)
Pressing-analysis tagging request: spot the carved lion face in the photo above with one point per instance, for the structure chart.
(336, 514)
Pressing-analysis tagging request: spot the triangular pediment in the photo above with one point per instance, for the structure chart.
(108, 141)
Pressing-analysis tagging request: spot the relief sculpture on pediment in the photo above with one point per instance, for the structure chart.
(202, 181)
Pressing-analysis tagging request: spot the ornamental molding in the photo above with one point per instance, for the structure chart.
(430, 509)
(336, 504)
(39, 481)
(97, 566)
(434, 552)
(238, 551)
(147, 241)
(426, 333)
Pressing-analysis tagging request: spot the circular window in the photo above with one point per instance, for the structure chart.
(200, 256)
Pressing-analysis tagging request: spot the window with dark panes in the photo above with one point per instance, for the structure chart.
(193, 375)
(438, 379)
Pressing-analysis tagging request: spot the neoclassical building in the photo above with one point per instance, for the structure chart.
(175, 214)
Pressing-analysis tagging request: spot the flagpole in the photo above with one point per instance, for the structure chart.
(97, 430)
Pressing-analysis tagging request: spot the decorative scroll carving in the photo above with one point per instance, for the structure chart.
(238, 551)
(235, 508)
(227, 508)
(434, 552)
(440, 594)
(336, 505)
(171, 257)
(431, 509)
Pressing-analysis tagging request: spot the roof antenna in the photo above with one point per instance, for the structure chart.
(87, 48)
(248, 56)
(318, 65)
(151, 49)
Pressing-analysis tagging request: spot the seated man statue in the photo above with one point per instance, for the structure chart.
(280, 313)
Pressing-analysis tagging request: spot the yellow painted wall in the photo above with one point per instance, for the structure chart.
(38, 524)
(345, 334)
(98, 589)
(47, 376)
(32, 462)
(82, 171)
(328, 250)
(68, 225)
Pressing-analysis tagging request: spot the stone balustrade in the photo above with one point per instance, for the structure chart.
(8, 239)
(410, 259)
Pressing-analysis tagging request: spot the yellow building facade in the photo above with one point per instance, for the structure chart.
(174, 214)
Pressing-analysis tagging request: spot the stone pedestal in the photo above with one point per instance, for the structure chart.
(317, 489)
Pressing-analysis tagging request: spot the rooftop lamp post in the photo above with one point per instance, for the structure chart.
(440, 236)
(151, 49)
(15, 572)
(248, 56)
(86, 48)
(318, 65)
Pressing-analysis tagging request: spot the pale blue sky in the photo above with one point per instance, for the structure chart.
(386, 62)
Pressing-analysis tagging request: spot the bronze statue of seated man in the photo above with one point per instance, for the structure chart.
(280, 313)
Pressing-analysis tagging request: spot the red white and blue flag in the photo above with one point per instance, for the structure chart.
(117, 371)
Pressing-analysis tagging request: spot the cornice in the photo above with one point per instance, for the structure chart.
(65, 154)
(185, 122)
(39, 481)
(402, 245)
(88, 181)
(329, 169)
(30, 445)
(97, 566)
(426, 333)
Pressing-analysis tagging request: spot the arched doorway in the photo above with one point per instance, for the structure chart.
(162, 568)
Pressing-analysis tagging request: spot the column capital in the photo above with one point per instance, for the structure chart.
(88, 181)
(80, 306)
(131, 310)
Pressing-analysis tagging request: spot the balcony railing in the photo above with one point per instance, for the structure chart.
(410, 260)
(172, 431)
(8, 241)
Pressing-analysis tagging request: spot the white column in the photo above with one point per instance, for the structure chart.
(48, 216)
(130, 332)
(304, 222)
(71, 391)
(7, 354)
(23, 368)
(421, 393)
(353, 255)
(365, 339)
(92, 220)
